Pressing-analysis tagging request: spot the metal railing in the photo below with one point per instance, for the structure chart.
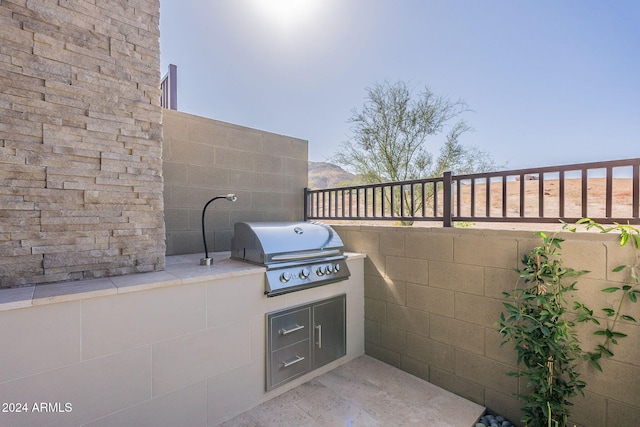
(604, 191)
(169, 89)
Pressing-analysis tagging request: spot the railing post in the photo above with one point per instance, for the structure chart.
(306, 203)
(173, 87)
(169, 89)
(446, 199)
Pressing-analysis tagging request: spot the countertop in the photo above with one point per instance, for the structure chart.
(179, 270)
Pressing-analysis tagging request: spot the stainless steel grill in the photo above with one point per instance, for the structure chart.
(297, 255)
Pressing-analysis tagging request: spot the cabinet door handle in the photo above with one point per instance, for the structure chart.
(319, 328)
(284, 331)
(293, 362)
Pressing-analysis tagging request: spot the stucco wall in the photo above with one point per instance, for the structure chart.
(80, 140)
(182, 347)
(204, 158)
(433, 295)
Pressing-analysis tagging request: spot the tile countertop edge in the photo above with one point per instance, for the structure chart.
(180, 270)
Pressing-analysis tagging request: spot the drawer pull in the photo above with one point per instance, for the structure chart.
(284, 331)
(319, 328)
(293, 362)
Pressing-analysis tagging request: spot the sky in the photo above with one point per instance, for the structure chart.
(547, 82)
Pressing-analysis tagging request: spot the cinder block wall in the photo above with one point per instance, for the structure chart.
(80, 140)
(433, 295)
(204, 158)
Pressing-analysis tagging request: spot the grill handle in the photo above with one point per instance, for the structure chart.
(319, 328)
(305, 255)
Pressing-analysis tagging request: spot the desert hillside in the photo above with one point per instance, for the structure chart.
(327, 175)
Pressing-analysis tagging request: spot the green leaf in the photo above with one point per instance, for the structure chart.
(511, 308)
(618, 334)
(633, 297)
(624, 237)
(628, 318)
(610, 311)
(600, 332)
(611, 289)
(619, 268)
(605, 350)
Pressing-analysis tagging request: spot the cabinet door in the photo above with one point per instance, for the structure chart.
(329, 330)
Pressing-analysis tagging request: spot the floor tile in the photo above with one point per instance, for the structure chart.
(363, 393)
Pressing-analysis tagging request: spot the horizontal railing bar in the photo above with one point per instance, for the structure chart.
(378, 218)
(530, 220)
(381, 184)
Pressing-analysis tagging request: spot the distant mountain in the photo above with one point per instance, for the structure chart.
(327, 175)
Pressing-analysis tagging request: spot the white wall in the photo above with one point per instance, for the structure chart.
(180, 347)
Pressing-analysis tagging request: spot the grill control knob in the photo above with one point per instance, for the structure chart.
(336, 268)
(285, 277)
(305, 272)
(329, 269)
(320, 271)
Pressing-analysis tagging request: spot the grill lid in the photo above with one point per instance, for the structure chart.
(267, 243)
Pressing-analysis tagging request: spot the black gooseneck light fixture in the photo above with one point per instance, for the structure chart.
(206, 260)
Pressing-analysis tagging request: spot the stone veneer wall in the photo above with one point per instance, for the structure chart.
(204, 158)
(80, 140)
(433, 295)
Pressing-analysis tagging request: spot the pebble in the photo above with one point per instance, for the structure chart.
(493, 421)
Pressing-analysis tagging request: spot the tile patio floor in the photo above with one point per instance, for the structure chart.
(364, 392)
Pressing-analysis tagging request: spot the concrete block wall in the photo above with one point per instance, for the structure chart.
(204, 158)
(80, 140)
(433, 296)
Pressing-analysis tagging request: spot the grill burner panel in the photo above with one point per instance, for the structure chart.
(297, 255)
(290, 279)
